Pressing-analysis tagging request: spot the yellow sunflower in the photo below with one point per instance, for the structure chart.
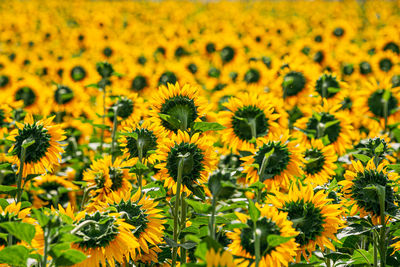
(271, 222)
(199, 162)
(357, 182)
(249, 116)
(313, 216)
(319, 164)
(219, 258)
(275, 162)
(46, 150)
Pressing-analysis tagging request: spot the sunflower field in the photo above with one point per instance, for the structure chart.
(199, 133)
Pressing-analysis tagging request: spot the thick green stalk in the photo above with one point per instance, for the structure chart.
(114, 133)
(104, 120)
(21, 171)
(183, 225)
(176, 213)
(257, 235)
(212, 219)
(140, 144)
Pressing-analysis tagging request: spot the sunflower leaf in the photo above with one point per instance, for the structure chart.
(379, 149)
(254, 212)
(9, 190)
(14, 255)
(70, 257)
(171, 120)
(22, 231)
(276, 240)
(331, 123)
(198, 207)
(333, 90)
(363, 158)
(204, 126)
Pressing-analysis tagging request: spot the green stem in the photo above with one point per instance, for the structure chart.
(385, 112)
(114, 133)
(382, 240)
(212, 219)
(21, 171)
(140, 144)
(46, 234)
(253, 128)
(257, 234)
(104, 119)
(183, 225)
(176, 213)
(375, 250)
(82, 224)
(85, 193)
(320, 130)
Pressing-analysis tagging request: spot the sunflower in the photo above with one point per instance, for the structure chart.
(140, 212)
(182, 104)
(106, 176)
(249, 116)
(200, 160)
(219, 258)
(313, 216)
(129, 107)
(357, 184)
(328, 123)
(271, 222)
(319, 164)
(329, 86)
(44, 152)
(106, 238)
(274, 162)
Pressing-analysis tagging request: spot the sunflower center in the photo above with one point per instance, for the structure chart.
(376, 103)
(141, 60)
(99, 234)
(365, 68)
(327, 86)
(385, 64)
(167, 77)
(4, 80)
(214, 72)
(293, 83)
(368, 198)
(315, 161)
(182, 108)
(146, 140)
(227, 54)
(37, 150)
(277, 162)
(107, 52)
(252, 76)
(116, 176)
(192, 164)
(307, 219)
(192, 68)
(348, 69)
(249, 122)
(135, 215)
(26, 94)
(210, 48)
(317, 128)
(8, 217)
(338, 32)
(63, 94)
(392, 47)
(139, 83)
(78, 73)
(124, 108)
(266, 227)
(319, 57)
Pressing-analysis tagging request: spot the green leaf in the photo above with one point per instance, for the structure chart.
(4, 166)
(253, 211)
(352, 230)
(171, 120)
(379, 149)
(331, 123)
(395, 167)
(362, 256)
(198, 207)
(276, 240)
(42, 219)
(14, 255)
(9, 190)
(22, 231)
(4, 236)
(3, 203)
(363, 158)
(70, 257)
(386, 95)
(94, 85)
(335, 256)
(333, 90)
(27, 143)
(325, 140)
(214, 185)
(207, 126)
(133, 135)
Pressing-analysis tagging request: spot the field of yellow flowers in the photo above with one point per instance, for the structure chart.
(199, 134)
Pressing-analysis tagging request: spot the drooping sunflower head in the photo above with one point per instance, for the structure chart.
(43, 151)
(194, 154)
(177, 108)
(360, 187)
(271, 222)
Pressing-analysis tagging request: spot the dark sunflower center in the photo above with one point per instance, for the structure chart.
(307, 219)
(167, 77)
(139, 83)
(210, 48)
(293, 83)
(97, 235)
(214, 72)
(347, 103)
(306, 50)
(247, 117)
(376, 103)
(348, 69)
(315, 161)
(180, 51)
(247, 240)
(37, 150)
(182, 108)
(63, 94)
(141, 60)
(318, 38)
(392, 47)
(385, 64)
(317, 128)
(233, 75)
(124, 109)
(135, 215)
(107, 52)
(368, 198)
(146, 140)
(338, 32)
(78, 73)
(8, 218)
(54, 190)
(327, 86)
(319, 56)
(26, 94)
(252, 76)
(227, 54)
(116, 176)
(365, 68)
(192, 68)
(4, 80)
(192, 165)
(277, 162)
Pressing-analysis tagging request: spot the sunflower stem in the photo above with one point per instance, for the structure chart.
(46, 236)
(21, 169)
(85, 193)
(257, 235)
(382, 198)
(375, 250)
(82, 224)
(103, 119)
(114, 133)
(385, 112)
(183, 225)
(140, 144)
(253, 127)
(320, 130)
(176, 213)
(212, 220)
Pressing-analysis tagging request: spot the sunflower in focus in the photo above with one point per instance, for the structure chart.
(361, 198)
(313, 216)
(319, 164)
(183, 104)
(199, 161)
(248, 117)
(275, 162)
(44, 152)
(271, 222)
